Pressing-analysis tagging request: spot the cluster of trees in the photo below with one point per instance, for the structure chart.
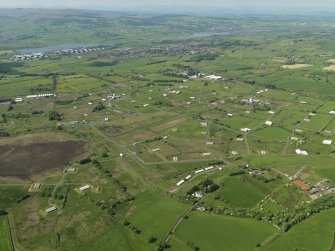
(3, 133)
(205, 186)
(284, 219)
(53, 115)
(99, 107)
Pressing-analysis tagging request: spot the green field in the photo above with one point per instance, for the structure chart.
(5, 240)
(316, 233)
(213, 232)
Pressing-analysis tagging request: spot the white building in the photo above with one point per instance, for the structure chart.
(199, 171)
(301, 152)
(180, 182)
(327, 142)
(245, 129)
(50, 209)
(269, 123)
(213, 77)
(83, 188)
(209, 168)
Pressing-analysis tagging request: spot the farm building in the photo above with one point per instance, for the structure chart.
(199, 171)
(206, 154)
(18, 100)
(175, 158)
(209, 168)
(300, 184)
(203, 124)
(213, 77)
(180, 182)
(327, 142)
(155, 150)
(269, 123)
(271, 112)
(37, 186)
(50, 209)
(188, 177)
(83, 188)
(71, 170)
(301, 152)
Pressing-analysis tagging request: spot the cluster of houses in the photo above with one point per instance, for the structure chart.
(79, 50)
(37, 55)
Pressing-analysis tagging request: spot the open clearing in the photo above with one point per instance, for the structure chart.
(26, 160)
(295, 66)
(329, 68)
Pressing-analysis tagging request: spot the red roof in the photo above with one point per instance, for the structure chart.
(300, 184)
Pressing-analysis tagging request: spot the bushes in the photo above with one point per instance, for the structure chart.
(53, 115)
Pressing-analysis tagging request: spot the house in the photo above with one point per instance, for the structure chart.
(234, 152)
(239, 139)
(300, 184)
(327, 142)
(83, 188)
(269, 123)
(298, 130)
(198, 194)
(175, 158)
(294, 138)
(180, 182)
(210, 143)
(50, 209)
(121, 154)
(263, 152)
(245, 129)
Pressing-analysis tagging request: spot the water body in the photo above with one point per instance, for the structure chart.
(55, 47)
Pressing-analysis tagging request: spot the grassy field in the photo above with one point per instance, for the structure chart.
(213, 232)
(316, 233)
(5, 240)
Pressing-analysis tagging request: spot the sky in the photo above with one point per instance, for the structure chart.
(283, 5)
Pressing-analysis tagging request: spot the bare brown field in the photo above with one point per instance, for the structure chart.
(25, 159)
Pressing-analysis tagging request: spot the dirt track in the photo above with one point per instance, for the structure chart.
(25, 161)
